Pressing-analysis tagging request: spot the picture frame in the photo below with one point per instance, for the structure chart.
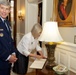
(69, 21)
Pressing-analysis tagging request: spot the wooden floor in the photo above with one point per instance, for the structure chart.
(31, 73)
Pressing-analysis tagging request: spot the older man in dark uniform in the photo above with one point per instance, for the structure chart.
(7, 49)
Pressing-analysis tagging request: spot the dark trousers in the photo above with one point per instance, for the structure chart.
(21, 65)
(5, 72)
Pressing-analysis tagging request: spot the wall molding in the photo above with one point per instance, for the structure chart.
(68, 46)
(65, 54)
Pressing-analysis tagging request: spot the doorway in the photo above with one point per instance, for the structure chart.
(13, 20)
(40, 17)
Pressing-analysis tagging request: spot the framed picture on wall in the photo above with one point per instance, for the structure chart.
(65, 12)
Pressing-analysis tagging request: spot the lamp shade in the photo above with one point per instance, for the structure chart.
(50, 32)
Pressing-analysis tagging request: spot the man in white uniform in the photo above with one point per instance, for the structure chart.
(28, 43)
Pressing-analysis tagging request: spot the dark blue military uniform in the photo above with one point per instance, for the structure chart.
(6, 48)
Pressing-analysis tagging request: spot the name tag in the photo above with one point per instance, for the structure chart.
(1, 29)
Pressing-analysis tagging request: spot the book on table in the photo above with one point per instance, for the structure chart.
(38, 64)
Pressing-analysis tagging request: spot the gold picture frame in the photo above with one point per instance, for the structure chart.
(70, 20)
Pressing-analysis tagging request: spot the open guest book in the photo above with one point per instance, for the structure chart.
(38, 64)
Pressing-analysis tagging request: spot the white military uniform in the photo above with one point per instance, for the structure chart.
(27, 44)
(25, 47)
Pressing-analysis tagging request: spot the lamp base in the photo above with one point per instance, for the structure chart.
(50, 66)
(51, 58)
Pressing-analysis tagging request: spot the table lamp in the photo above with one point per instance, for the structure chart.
(51, 36)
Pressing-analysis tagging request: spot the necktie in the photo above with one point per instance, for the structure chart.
(6, 25)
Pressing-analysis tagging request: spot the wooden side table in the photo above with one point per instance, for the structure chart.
(45, 71)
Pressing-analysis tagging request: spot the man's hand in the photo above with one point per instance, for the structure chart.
(40, 57)
(13, 58)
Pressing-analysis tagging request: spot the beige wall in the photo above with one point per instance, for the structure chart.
(67, 33)
(30, 12)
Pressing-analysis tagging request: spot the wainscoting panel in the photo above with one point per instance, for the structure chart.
(65, 54)
(63, 57)
(72, 61)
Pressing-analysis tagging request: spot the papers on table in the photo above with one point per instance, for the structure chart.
(38, 63)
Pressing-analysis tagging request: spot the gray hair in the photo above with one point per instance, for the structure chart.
(37, 28)
(5, 2)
